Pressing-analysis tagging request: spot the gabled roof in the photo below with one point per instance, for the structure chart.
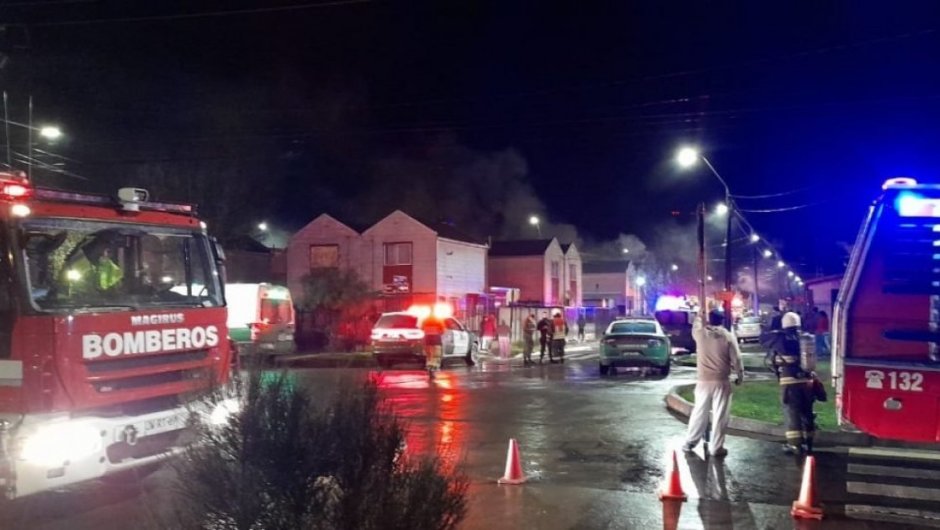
(442, 229)
(520, 247)
(449, 231)
(604, 267)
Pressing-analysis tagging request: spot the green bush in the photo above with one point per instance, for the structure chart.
(286, 462)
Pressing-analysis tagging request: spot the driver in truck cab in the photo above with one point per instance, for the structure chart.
(93, 270)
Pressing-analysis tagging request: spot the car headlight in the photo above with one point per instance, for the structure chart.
(223, 411)
(654, 343)
(53, 445)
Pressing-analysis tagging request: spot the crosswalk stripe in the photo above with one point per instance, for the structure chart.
(891, 471)
(906, 454)
(893, 490)
(890, 514)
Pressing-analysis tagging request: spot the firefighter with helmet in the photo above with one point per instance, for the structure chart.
(799, 387)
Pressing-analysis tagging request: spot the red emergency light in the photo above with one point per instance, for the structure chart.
(14, 186)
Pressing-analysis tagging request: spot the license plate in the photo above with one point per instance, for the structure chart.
(285, 337)
(630, 353)
(154, 426)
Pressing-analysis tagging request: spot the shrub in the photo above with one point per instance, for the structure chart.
(285, 462)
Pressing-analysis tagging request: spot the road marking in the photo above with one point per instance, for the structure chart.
(904, 472)
(893, 490)
(905, 454)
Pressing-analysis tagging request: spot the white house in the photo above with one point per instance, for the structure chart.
(543, 270)
(405, 260)
(610, 284)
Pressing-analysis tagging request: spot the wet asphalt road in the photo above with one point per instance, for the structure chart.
(595, 451)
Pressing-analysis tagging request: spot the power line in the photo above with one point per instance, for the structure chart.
(773, 195)
(788, 209)
(203, 14)
(48, 3)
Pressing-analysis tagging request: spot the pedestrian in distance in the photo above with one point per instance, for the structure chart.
(582, 322)
(529, 327)
(822, 334)
(718, 356)
(559, 335)
(545, 331)
(503, 332)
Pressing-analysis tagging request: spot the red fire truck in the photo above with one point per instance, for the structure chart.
(112, 321)
(886, 325)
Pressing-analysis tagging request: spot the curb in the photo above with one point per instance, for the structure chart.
(678, 405)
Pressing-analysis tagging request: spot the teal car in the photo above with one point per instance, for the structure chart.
(634, 343)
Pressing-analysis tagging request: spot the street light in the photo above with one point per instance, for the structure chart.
(626, 251)
(641, 281)
(263, 226)
(781, 264)
(755, 238)
(674, 267)
(790, 274)
(534, 220)
(768, 253)
(686, 158)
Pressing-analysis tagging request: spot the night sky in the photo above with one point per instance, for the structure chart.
(484, 113)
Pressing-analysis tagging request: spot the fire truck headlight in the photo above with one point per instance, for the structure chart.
(223, 412)
(54, 445)
(20, 210)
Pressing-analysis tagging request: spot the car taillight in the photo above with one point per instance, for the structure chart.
(413, 334)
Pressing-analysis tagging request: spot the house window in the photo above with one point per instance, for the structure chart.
(572, 273)
(398, 253)
(556, 269)
(324, 256)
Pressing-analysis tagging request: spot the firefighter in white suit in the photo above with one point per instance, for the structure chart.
(717, 357)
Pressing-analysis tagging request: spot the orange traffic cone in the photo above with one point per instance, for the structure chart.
(513, 474)
(672, 486)
(805, 507)
(672, 510)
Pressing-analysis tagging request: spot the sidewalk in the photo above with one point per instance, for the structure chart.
(759, 429)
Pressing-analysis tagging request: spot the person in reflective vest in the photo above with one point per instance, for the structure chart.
(559, 333)
(93, 271)
(433, 344)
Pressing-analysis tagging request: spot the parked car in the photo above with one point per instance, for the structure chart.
(635, 343)
(398, 337)
(677, 323)
(748, 329)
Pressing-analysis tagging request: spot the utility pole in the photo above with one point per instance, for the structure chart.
(756, 275)
(703, 272)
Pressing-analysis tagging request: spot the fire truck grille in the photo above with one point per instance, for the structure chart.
(144, 362)
(141, 381)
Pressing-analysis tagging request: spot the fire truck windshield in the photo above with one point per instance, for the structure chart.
(87, 265)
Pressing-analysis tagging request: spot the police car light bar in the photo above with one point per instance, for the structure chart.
(913, 205)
